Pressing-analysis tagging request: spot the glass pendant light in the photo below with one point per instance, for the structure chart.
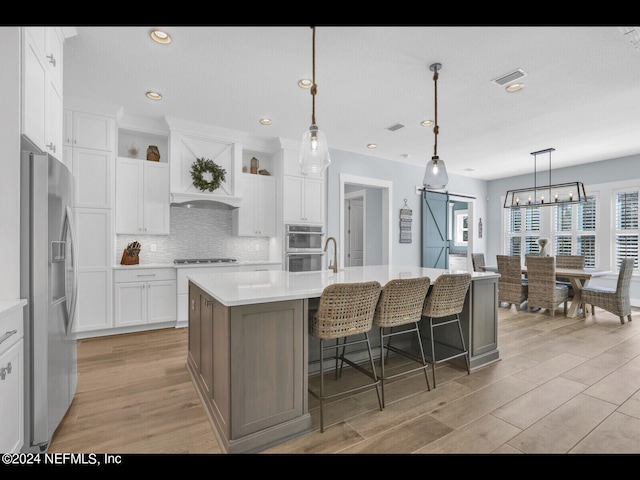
(314, 151)
(435, 175)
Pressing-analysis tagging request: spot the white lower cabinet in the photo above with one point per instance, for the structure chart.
(11, 379)
(144, 296)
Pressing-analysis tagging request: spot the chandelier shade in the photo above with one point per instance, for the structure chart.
(545, 195)
(314, 150)
(435, 174)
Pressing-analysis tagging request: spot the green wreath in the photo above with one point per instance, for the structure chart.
(202, 166)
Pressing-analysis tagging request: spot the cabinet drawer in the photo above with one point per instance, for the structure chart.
(144, 274)
(9, 323)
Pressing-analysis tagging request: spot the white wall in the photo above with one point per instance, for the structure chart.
(10, 162)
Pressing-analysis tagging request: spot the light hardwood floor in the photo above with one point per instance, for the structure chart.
(562, 386)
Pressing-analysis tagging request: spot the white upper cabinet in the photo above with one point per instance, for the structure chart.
(256, 216)
(88, 130)
(142, 197)
(303, 195)
(41, 121)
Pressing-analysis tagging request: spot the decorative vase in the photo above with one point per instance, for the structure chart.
(153, 154)
(254, 165)
(543, 243)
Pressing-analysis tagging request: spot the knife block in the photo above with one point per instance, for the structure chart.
(129, 260)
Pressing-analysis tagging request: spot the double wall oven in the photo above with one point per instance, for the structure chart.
(303, 248)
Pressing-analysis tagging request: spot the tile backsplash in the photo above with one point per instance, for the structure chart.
(196, 233)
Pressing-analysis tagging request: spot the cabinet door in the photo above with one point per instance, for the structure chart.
(92, 131)
(161, 301)
(194, 325)
(53, 114)
(313, 200)
(34, 88)
(53, 55)
(155, 198)
(206, 342)
(95, 261)
(92, 172)
(266, 206)
(12, 399)
(293, 188)
(130, 300)
(244, 217)
(129, 185)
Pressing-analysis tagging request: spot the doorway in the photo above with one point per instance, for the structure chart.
(382, 224)
(355, 230)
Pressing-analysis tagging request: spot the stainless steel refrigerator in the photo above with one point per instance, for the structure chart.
(49, 283)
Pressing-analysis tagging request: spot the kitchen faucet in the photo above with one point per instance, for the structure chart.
(334, 267)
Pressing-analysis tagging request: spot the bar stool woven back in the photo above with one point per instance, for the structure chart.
(442, 307)
(400, 305)
(345, 310)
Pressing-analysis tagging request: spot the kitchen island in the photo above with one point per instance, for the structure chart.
(249, 350)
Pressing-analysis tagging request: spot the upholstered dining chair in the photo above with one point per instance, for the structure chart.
(398, 312)
(442, 307)
(345, 312)
(478, 262)
(616, 300)
(543, 290)
(569, 261)
(511, 288)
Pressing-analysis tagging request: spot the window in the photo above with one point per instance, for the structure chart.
(626, 228)
(523, 230)
(461, 237)
(575, 230)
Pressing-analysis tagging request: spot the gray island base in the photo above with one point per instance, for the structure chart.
(249, 350)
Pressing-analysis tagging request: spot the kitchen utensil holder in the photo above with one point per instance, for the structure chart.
(129, 260)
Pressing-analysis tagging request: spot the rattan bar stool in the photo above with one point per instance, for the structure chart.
(345, 312)
(399, 306)
(442, 307)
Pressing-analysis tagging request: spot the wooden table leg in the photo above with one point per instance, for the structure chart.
(577, 285)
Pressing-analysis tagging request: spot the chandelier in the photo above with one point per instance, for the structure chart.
(545, 195)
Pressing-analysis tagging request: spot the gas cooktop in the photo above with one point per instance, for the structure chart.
(199, 261)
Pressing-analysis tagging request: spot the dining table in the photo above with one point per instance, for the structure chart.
(579, 278)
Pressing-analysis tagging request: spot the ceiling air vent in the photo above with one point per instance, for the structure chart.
(509, 77)
(395, 127)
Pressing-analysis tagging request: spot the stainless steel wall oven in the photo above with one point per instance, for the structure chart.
(303, 248)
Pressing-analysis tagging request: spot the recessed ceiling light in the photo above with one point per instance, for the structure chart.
(426, 123)
(160, 36)
(265, 121)
(153, 95)
(515, 87)
(305, 83)
(372, 145)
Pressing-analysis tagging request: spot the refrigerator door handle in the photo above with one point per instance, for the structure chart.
(74, 254)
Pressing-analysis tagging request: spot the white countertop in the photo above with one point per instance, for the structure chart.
(198, 265)
(9, 305)
(246, 288)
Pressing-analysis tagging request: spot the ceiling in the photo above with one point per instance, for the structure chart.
(581, 94)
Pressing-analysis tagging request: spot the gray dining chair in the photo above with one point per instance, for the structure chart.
(613, 300)
(511, 287)
(543, 290)
(478, 262)
(568, 261)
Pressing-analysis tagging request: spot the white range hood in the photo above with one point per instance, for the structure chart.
(189, 141)
(204, 200)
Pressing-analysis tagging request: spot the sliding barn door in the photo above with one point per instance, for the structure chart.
(435, 218)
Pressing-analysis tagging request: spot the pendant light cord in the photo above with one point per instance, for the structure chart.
(314, 87)
(435, 103)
